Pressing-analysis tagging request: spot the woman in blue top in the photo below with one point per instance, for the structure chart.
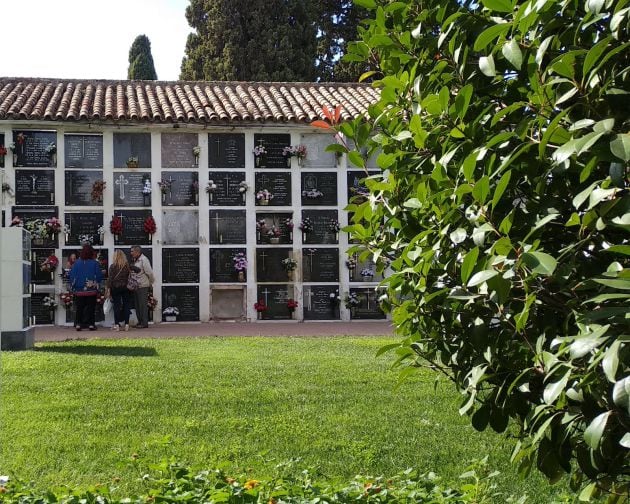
(85, 279)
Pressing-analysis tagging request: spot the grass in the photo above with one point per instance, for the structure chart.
(74, 412)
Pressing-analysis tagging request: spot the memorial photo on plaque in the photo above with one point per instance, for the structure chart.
(276, 183)
(35, 219)
(275, 298)
(132, 150)
(180, 265)
(83, 151)
(180, 303)
(133, 229)
(132, 189)
(319, 188)
(321, 302)
(228, 265)
(316, 155)
(34, 187)
(180, 227)
(320, 264)
(227, 227)
(226, 150)
(80, 187)
(180, 150)
(270, 266)
(35, 149)
(271, 148)
(366, 306)
(274, 228)
(179, 188)
(40, 308)
(84, 228)
(43, 269)
(226, 188)
(320, 227)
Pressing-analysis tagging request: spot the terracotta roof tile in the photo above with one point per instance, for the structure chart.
(191, 102)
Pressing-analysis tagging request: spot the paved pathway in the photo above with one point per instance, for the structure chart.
(213, 329)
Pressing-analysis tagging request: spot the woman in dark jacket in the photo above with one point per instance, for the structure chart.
(117, 286)
(85, 279)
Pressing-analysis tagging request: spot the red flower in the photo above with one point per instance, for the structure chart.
(292, 304)
(116, 225)
(260, 306)
(149, 225)
(3, 150)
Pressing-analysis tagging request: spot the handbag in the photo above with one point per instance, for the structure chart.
(132, 283)
(107, 306)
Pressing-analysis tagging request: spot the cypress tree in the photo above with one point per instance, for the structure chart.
(141, 65)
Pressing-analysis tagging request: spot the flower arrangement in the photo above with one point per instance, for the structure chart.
(3, 150)
(196, 151)
(260, 306)
(37, 228)
(264, 195)
(239, 261)
(49, 264)
(98, 187)
(100, 231)
(306, 225)
(243, 187)
(261, 225)
(86, 239)
(367, 272)
(351, 263)
(53, 226)
(149, 225)
(211, 187)
(151, 302)
(299, 151)
(273, 232)
(164, 185)
(334, 297)
(313, 193)
(289, 264)
(132, 162)
(170, 311)
(333, 226)
(259, 150)
(352, 300)
(292, 304)
(51, 149)
(288, 222)
(66, 299)
(16, 222)
(116, 226)
(49, 302)
(146, 189)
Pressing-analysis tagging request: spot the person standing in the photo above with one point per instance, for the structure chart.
(144, 274)
(118, 277)
(85, 279)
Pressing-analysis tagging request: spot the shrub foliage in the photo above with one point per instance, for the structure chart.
(502, 211)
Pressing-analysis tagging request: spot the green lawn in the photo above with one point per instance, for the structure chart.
(74, 412)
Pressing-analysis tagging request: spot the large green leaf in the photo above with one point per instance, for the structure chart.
(486, 65)
(595, 430)
(498, 5)
(540, 262)
(620, 146)
(489, 34)
(469, 263)
(482, 276)
(512, 53)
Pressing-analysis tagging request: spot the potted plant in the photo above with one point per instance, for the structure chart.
(132, 162)
(299, 151)
(259, 155)
(260, 307)
(196, 151)
(211, 187)
(170, 313)
(306, 226)
(273, 233)
(334, 227)
(352, 301)
(367, 274)
(98, 187)
(242, 188)
(51, 151)
(149, 226)
(116, 226)
(51, 304)
(261, 227)
(264, 197)
(290, 265)
(53, 226)
(288, 223)
(351, 263)
(38, 230)
(239, 261)
(66, 300)
(49, 265)
(292, 304)
(165, 187)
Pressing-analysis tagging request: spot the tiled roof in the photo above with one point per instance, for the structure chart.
(180, 101)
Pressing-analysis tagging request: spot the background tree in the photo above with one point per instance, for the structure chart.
(141, 65)
(503, 211)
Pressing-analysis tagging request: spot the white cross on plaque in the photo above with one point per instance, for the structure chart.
(266, 292)
(121, 183)
(227, 184)
(170, 187)
(262, 257)
(218, 142)
(310, 253)
(216, 220)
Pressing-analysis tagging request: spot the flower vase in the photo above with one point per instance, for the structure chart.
(290, 275)
(300, 161)
(291, 314)
(196, 161)
(170, 318)
(163, 197)
(288, 161)
(210, 197)
(258, 161)
(53, 160)
(243, 197)
(150, 238)
(15, 156)
(241, 276)
(275, 240)
(132, 164)
(196, 198)
(259, 313)
(264, 202)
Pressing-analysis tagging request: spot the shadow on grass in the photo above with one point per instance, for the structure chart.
(117, 351)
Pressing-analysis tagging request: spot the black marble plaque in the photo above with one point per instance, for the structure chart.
(354, 275)
(357, 191)
(180, 265)
(83, 151)
(2, 156)
(275, 298)
(321, 302)
(182, 190)
(227, 226)
(26, 278)
(83, 226)
(368, 307)
(79, 187)
(128, 189)
(40, 213)
(177, 150)
(180, 227)
(227, 192)
(269, 267)
(133, 227)
(222, 266)
(279, 184)
(39, 277)
(323, 227)
(274, 221)
(226, 150)
(185, 298)
(274, 145)
(146, 251)
(128, 145)
(34, 187)
(31, 148)
(319, 188)
(320, 264)
(42, 313)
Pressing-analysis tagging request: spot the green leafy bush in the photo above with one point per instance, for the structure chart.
(503, 212)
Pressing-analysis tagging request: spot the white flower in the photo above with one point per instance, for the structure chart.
(4, 480)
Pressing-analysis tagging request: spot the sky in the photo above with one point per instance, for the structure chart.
(89, 39)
